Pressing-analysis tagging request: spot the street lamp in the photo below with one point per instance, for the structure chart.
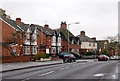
(68, 32)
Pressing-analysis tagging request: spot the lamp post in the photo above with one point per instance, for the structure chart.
(68, 32)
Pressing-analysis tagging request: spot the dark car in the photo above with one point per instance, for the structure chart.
(78, 56)
(103, 57)
(69, 58)
(62, 54)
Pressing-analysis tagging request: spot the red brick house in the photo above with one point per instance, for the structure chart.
(18, 39)
(50, 41)
(74, 42)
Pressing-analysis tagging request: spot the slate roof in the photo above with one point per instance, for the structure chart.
(41, 28)
(71, 36)
(85, 38)
(22, 27)
(12, 23)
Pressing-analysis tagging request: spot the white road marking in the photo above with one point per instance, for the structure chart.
(114, 77)
(67, 67)
(25, 79)
(100, 74)
(46, 73)
(62, 68)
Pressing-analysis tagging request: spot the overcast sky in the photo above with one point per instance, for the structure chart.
(98, 18)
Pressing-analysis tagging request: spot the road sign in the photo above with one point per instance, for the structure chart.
(95, 49)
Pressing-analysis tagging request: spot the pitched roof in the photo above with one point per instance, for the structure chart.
(85, 38)
(22, 27)
(11, 23)
(71, 36)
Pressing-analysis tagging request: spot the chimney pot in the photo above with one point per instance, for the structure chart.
(46, 26)
(64, 25)
(94, 38)
(18, 21)
(82, 33)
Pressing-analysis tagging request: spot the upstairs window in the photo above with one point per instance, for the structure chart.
(59, 39)
(90, 44)
(20, 36)
(72, 41)
(93, 44)
(78, 42)
(53, 39)
(34, 36)
(27, 35)
(49, 38)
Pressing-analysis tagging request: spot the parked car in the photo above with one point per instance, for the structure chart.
(112, 58)
(103, 57)
(78, 56)
(116, 57)
(62, 54)
(69, 58)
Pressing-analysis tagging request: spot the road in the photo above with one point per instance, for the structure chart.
(86, 71)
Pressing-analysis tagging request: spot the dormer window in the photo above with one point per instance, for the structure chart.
(59, 39)
(54, 39)
(78, 42)
(34, 36)
(28, 35)
(72, 41)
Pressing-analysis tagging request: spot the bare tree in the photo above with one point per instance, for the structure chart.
(113, 43)
(14, 39)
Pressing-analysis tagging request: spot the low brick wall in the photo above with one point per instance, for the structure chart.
(56, 58)
(9, 59)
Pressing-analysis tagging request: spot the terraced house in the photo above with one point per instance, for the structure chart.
(74, 42)
(18, 39)
(24, 40)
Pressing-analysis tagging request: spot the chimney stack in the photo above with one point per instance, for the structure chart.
(82, 33)
(46, 26)
(64, 25)
(94, 38)
(18, 21)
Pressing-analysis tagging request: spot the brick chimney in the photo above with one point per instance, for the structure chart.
(82, 33)
(18, 21)
(94, 38)
(64, 25)
(46, 26)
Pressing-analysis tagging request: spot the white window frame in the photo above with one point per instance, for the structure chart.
(59, 39)
(54, 39)
(27, 50)
(34, 49)
(53, 49)
(72, 41)
(78, 42)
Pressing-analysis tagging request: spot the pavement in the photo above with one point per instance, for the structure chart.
(6, 67)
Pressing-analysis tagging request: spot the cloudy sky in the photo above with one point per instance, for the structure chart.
(98, 18)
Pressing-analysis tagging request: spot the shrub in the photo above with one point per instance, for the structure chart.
(40, 55)
(90, 53)
(83, 53)
(105, 52)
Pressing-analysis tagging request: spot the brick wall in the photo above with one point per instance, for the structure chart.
(8, 59)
